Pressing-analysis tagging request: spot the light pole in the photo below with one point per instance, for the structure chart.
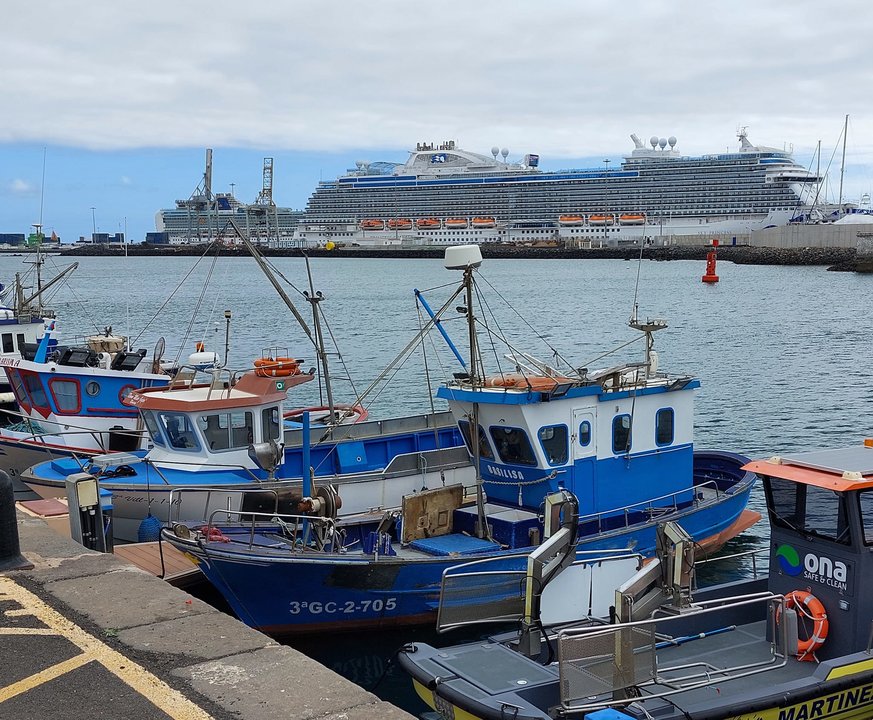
(93, 223)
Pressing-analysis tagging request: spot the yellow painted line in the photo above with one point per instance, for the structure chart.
(17, 613)
(844, 670)
(155, 690)
(27, 631)
(43, 676)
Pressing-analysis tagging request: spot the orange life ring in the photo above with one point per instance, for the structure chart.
(809, 606)
(276, 367)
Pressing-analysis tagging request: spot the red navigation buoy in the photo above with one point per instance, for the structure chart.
(710, 276)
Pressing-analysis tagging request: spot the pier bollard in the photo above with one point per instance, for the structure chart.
(10, 550)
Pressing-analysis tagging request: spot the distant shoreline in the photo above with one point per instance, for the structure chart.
(834, 258)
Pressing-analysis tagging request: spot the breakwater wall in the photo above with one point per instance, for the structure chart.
(836, 257)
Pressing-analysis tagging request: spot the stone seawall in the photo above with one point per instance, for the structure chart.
(837, 258)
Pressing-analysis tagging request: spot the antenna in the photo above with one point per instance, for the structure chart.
(42, 188)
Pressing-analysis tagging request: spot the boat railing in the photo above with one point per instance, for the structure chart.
(373, 428)
(753, 554)
(292, 531)
(205, 467)
(492, 590)
(604, 666)
(652, 508)
(182, 500)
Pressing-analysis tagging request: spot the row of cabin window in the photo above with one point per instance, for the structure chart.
(66, 393)
(219, 431)
(9, 342)
(513, 446)
(819, 512)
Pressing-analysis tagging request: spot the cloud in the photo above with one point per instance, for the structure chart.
(21, 187)
(562, 78)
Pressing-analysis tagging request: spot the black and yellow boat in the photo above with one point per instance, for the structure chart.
(795, 645)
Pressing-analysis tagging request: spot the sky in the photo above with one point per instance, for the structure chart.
(108, 107)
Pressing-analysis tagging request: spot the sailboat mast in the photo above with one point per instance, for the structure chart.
(843, 164)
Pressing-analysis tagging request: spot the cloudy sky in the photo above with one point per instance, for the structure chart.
(120, 99)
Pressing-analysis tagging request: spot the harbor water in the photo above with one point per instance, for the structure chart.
(781, 352)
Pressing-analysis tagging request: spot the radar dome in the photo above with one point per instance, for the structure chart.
(653, 141)
(504, 152)
(495, 151)
(359, 164)
(662, 143)
(672, 141)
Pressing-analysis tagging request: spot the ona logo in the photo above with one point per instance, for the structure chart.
(789, 560)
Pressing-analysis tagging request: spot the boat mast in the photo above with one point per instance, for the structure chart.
(314, 298)
(843, 166)
(482, 529)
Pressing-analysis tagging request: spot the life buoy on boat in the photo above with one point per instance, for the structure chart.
(810, 607)
(276, 367)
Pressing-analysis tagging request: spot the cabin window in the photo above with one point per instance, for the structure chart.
(35, 390)
(66, 395)
(18, 389)
(621, 433)
(554, 441)
(179, 432)
(93, 388)
(153, 427)
(513, 446)
(584, 433)
(270, 424)
(125, 391)
(19, 339)
(8, 343)
(227, 431)
(865, 499)
(809, 510)
(664, 426)
(484, 446)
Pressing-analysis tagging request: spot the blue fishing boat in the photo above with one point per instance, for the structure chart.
(619, 440)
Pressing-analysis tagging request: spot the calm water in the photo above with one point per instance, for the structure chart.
(781, 352)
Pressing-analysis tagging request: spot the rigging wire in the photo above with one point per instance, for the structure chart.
(175, 290)
(187, 334)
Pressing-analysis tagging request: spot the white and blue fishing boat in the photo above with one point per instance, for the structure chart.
(794, 644)
(70, 400)
(230, 433)
(620, 440)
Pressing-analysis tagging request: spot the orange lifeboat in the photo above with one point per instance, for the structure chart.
(484, 222)
(632, 219)
(601, 220)
(400, 224)
(428, 223)
(276, 367)
(372, 224)
(456, 223)
(569, 220)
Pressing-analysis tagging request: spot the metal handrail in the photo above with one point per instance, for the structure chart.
(647, 505)
(307, 521)
(177, 494)
(695, 679)
(746, 553)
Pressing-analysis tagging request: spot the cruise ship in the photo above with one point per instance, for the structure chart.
(207, 216)
(446, 195)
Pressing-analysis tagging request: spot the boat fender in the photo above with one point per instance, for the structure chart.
(809, 606)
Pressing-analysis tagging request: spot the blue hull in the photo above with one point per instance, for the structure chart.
(315, 592)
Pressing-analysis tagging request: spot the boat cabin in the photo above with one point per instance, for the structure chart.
(820, 506)
(607, 438)
(213, 423)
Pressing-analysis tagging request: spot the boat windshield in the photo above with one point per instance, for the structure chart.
(809, 509)
(179, 431)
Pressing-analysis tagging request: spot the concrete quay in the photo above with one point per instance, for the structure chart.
(85, 635)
